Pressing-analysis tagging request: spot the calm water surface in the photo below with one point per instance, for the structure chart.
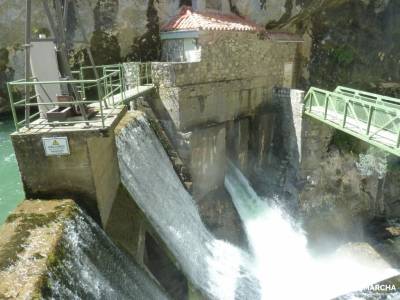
(11, 192)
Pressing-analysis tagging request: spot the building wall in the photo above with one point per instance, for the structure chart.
(89, 174)
(235, 77)
(234, 80)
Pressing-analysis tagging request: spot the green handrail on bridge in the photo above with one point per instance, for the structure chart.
(372, 118)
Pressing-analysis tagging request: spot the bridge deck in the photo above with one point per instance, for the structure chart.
(372, 118)
(382, 136)
(112, 86)
(98, 121)
(129, 94)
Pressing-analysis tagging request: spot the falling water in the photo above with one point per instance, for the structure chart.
(218, 269)
(92, 267)
(285, 267)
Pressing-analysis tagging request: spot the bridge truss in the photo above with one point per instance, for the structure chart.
(372, 118)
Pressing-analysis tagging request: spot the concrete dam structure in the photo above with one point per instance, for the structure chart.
(200, 176)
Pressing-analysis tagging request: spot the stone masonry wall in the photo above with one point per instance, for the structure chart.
(219, 108)
(234, 78)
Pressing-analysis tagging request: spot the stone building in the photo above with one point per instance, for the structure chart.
(216, 103)
(180, 36)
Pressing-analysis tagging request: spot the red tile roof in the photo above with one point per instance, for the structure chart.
(188, 19)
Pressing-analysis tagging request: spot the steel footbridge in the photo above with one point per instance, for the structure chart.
(372, 118)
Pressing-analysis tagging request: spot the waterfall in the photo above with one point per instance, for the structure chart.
(90, 266)
(284, 265)
(218, 269)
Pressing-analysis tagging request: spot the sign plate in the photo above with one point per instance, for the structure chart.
(54, 146)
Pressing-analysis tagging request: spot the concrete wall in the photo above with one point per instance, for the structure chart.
(238, 142)
(90, 173)
(207, 161)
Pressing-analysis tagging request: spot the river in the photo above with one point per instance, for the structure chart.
(11, 192)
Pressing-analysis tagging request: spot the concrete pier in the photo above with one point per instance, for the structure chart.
(87, 171)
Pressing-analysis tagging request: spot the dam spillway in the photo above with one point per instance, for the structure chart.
(279, 246)
(53, 250)
(216, 268)
(92, 267)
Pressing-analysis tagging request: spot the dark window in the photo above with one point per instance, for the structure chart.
(173, 50)
(185, 2)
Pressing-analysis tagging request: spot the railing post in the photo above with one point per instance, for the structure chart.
(326, 106)
(398, 140)
(83, 94)
(138, 77)
(123, 76)
(101, 104)
(120, 84)
(371, 111)
(147, 74)
(345, 114)
(112, 89)
(104, 87)
(12, 107)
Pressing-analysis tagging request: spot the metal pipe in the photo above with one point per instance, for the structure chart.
(65, 69)
(65, 16)
(53, 27)
(86, 41)
(27, 57)
(52, 82)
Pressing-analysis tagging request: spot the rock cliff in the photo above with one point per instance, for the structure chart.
(348, 42)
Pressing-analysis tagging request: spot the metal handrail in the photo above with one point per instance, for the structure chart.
(111, 85)
(373, 120)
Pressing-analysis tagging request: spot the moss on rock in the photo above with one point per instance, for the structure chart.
(31, 239)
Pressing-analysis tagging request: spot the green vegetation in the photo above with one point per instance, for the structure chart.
(36, 31)
(25, 223)
(347, 143)
(105, 48)
(344, 55)
(148, 46)
(43, 287)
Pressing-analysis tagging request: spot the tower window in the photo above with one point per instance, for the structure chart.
(185, 2)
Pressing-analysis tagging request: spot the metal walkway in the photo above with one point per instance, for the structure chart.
(372, 118)
(112, 87)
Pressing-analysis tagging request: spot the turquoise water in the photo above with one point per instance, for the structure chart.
(11, 192)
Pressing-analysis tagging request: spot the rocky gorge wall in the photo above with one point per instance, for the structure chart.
(338, 185)
(345, 39)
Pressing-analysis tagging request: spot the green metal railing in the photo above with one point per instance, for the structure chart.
(372, 118)
(102, 88)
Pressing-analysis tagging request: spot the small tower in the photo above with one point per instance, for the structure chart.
(181, 35)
